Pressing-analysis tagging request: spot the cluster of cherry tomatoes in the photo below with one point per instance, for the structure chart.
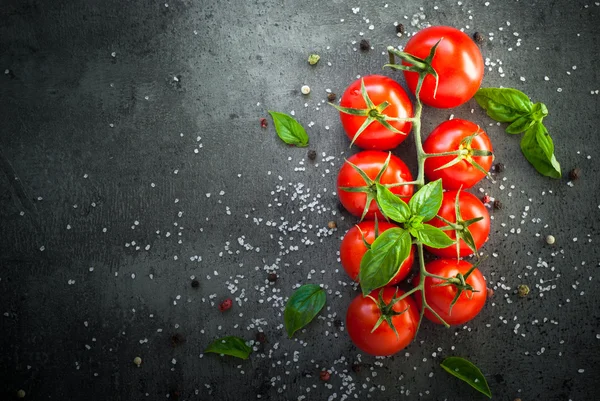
(378, 123)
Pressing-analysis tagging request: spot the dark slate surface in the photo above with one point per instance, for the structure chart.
(117, 121)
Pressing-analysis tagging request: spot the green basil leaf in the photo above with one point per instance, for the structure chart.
(538, 148)
(539, 111)
(468, 372)
(381, 263)
(391, 205)
(520, 124)
(433, 237)
(302, 307)
(289, 130)
(230, 345)
(427, 201)
(503, 104)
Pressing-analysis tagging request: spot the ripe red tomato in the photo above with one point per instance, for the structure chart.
(439, 298)
(457, 61)
(447, 137)
(363, 313)
(371, 162)
(352, 249)
(470, 207)
(380, 89)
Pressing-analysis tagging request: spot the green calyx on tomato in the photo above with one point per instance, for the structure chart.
(465, 152)
(461, 227)
(372, 112)
(371, 186)
(387, 310)
(421, 66)
(460, 284)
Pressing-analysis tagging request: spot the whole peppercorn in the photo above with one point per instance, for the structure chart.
(324, 375)
(272, 277)
(486, 199)
(523, 290)
(225, 305)
(195, 283)
(137, 361)
(490, 292)
(261, 337)
(331, 96)
(550, 239)
(337, 323)
(400, 29)
(365, 45)
(263, 122)
(356, 367)
(478, 37)
(575, 174)
(499, 167)
(497, 204)
(21, 394)
(312, 154)
(177, 339)
(331, 225)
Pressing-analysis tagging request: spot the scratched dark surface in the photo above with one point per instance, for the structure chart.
(130, 144)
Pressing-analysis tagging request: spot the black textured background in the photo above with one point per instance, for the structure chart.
(103, 105)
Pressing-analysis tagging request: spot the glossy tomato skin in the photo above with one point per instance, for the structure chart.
(379, 89)
(457, 61)
(470, 207)
(447, 137)
(363, 313)
(352, 249)
(468, 305)
(371, 161)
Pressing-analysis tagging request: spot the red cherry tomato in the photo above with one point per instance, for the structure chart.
(457, 61)
(447, 137)
(352, 249)
(371, 162)
(439, 298)
(470, 207)
(363, 313)
(380, 89)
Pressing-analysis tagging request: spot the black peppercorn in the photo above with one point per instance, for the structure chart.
(195, 283)
(356, 367)
(497, 204)
(177, 339)
(312, 154)
(478, 37)
(337, 323)
(400, 29)
(272, 277)
(499, 167)
(331, 96)
(365, 45)
(575, 174)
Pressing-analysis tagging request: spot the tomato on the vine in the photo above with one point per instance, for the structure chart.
(470, 207)
(352, 249)
(458, 63)
(371, 162)
(457, 135)
(365, 312)
(440, 297)
(379, 89)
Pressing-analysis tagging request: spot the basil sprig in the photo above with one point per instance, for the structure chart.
(512, 106)
(468, 372)
(230, 345)
(382, 262)
(302, 307)
(289, 130)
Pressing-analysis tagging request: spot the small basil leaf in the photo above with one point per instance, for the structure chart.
(433, 237)
(289, 130)
(520, 124)
(230, 345)
(538, 148)
(503, 104)
(304, 304)
(381, 263)
(467, 372)
(539, 111)
(427, 201)
(392, 206)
